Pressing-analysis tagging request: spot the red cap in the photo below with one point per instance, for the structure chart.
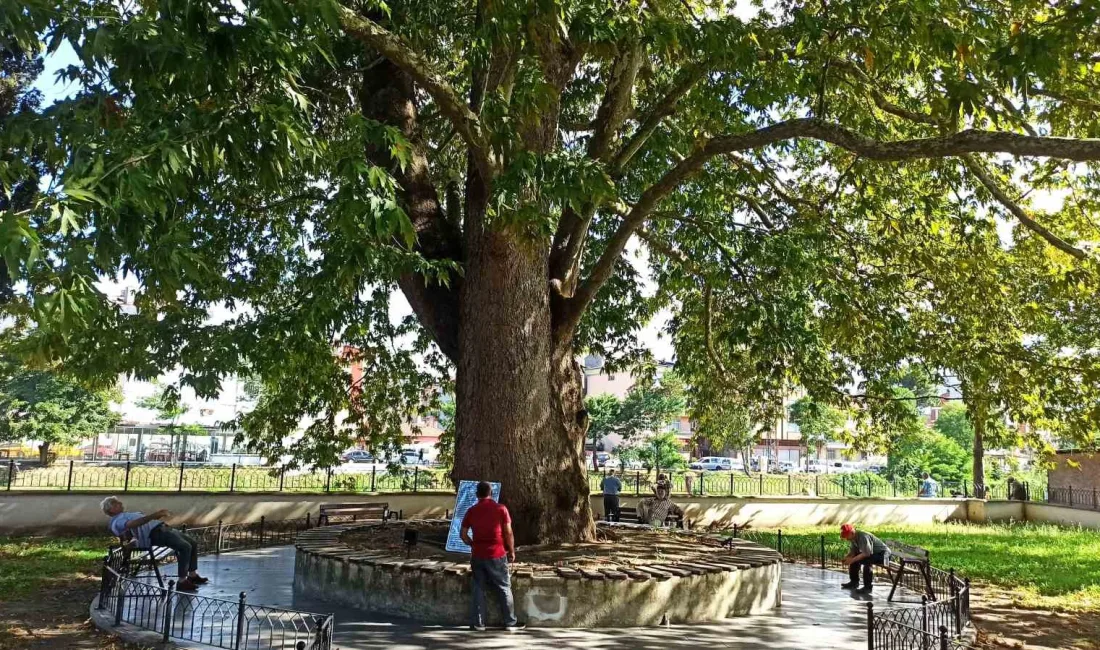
(847, 529)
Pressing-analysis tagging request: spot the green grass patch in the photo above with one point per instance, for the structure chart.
(31, 564)
(1052, 567)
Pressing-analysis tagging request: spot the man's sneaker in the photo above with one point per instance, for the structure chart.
(477, 628)
(865, 590)
(849, 585)
(515, 628)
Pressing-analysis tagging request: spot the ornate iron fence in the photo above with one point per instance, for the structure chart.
(235, 625)
(938, 622)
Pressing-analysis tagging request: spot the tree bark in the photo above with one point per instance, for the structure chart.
(519, 408)
(44, 453)
(979, 456)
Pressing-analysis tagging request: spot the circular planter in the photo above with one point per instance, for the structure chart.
(705, 582)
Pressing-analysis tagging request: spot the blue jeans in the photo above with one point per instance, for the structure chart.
(185, 546)
(494, 575)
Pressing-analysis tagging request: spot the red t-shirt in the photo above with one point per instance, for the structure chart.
(487, 518)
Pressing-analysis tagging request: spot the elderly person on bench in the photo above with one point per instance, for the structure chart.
(147, 531)
(865, 551)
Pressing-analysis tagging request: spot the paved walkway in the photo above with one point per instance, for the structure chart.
(815, 613)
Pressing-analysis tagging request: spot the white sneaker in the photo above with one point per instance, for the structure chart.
(515, 628)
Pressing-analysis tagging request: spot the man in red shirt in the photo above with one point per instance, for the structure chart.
(493, 547)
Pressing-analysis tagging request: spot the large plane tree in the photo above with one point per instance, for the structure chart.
(823, 191)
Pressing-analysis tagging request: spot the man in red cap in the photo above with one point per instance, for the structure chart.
(866, 550)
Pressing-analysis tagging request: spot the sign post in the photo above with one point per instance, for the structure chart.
(466, 497)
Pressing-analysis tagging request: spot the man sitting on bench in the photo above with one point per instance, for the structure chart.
(866, 550)
(148, 531)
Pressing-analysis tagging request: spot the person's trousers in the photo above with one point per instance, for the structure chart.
(611, 507)
(185, 546)
(865, 565)
(492, 575)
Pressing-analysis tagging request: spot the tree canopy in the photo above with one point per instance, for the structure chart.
(827, 192)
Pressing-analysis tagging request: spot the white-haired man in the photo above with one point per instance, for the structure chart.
(148, 531)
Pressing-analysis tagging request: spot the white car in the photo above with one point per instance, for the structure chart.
(718, 463)
(616, 463)
(786, 467)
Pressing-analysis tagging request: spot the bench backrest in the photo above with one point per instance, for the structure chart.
(906, 551)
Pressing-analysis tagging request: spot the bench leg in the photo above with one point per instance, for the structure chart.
(897, 579)
(928, 581)
(156, 569)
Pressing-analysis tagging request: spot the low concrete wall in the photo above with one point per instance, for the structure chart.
(738, 583)
(998, 511)
(49, 512)
(1063, 515)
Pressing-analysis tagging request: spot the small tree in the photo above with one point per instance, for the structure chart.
(604, 414)
(651, 407)
(169, 407)
(927, 450)
(817, 422)
(726, 426)
(954, 423)
(659, 452)
(42, 406)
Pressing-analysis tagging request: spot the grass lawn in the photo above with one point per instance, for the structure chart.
(1047, 567)
(46, 585)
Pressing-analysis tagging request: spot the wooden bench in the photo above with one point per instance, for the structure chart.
(145, 558)
(913, 560)
(629, 515)
(355, 511)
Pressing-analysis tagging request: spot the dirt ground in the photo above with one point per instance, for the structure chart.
(612, 548)
(56, 618)
(1003, 624)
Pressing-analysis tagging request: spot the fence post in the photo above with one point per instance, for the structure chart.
(416, 477)
(870, 626)
(282, 476)
(373, 471)
(731, 484)
(104, 581)
(943, 637)
(11, 472)
(168, 610)
(637, 483)
(126, 484)
(180, 488)
(868, 486)
(894, 484)
(761, 483)
(844, 484)
(69, 485)
(779, 541)
(308, 523)
(790, 484)
(817, 485)
(240, 622)
(956, 609)
(261, 531)
(966, 489)
(119, 601)
(233, 478)
(328, 479)
(218, 540)
(1070, 487)
(924, 622)
(822, 551)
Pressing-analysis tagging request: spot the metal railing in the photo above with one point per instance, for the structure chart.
(219, 622)
(135, 477)
(933, 624)
(1071, 497)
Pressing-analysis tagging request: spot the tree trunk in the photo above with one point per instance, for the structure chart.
(979, 457)
(519, 401)
(44, 453)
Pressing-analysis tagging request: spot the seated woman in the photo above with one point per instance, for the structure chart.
(656, 509)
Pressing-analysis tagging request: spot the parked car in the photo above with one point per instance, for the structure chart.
(718, 463)
(844, 467)
(358, 456)
(814, 466)
(786, 467)
(617, 463)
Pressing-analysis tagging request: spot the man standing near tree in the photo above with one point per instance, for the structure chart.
(611, 486)
(487, 528)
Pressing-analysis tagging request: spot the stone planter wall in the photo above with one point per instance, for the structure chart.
(737, 582)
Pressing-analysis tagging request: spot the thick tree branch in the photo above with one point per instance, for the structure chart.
(991, 185)
(954, 144)
(416, 66)
(662, 109)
